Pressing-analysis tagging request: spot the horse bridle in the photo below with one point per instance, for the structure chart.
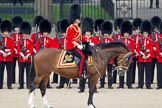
(119, 62)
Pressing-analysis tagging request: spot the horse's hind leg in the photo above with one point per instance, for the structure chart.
(33, 85)
(92, 88)
(43, 92)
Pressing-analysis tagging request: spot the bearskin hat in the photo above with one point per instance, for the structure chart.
(117, 23)
(126, 27)
(160, 27)
(137, 23)
(25, 28)
(87, 25)
(6, 26)
(37, 20)
(74, 13)
(155, 21)
(16, 21)
(146, 27)
(45, 26)
(106, 27)
(63, 25)
(97, 24)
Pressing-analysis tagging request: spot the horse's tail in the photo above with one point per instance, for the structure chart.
(31, 74)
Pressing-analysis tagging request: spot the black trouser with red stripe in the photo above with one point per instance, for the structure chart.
(134, 70)
(13, 68)
(159, 74)
(154, 61)
(82, 65)
(22, 66)
(144, 67)
(8, 67)
(128, 78)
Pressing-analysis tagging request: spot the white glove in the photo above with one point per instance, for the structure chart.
(92, 44)
(147, 50)
(161, 54)
(144, 57)
(80, 47)
(5, 54)
(142, 53)
(154, 48)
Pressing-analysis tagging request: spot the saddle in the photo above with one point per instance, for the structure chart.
(67, 60)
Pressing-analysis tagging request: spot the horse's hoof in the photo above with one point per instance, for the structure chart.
(91, 106)
(32, 106)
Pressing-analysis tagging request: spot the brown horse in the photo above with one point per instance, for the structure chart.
(45, 62)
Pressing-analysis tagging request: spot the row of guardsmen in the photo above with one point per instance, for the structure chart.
(143, 38)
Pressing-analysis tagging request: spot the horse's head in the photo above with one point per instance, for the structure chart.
(123, 62)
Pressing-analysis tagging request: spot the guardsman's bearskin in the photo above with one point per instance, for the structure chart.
(155, 21)
(87, 25)
(126, 27)
(117, 23)
(97, 24)
(6, 26)
(45, 26)
(106, 27)
(160, 27)
(74, 13)
(37, 20)
(146, 27)
(25, 28)
(63, 25)
(137, 23)
(16, 21)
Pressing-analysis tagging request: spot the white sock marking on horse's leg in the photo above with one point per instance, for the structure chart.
(90, 106)
(30, 101)
(45, 102)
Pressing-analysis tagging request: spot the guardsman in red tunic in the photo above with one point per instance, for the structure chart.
(87, 38)
(16, 21)
(6, 52)
(59, 41)
(145, 49)
(159, 59)
(44, 41)
(97, 28)
(156, 20)
(37, 34)
(126, 32)
(135, 36)
(73, 39)
(106, 30)
(25, 51)
(117, 38)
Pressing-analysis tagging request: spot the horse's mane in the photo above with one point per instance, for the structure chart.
(113, 45)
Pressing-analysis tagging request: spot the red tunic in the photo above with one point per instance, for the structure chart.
(46, 43)
(148, 44)
(154, 38)
(9, 48)
(158, 47)
(89, 39)
(56, 43)
(28, 44)
(16, 37)
(108, 40)
(73, 35)
(129, 43)
(135, 37)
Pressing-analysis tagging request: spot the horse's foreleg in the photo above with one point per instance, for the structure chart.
(33, 85)
(43, 92)
(92, 88)
(31, 95)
